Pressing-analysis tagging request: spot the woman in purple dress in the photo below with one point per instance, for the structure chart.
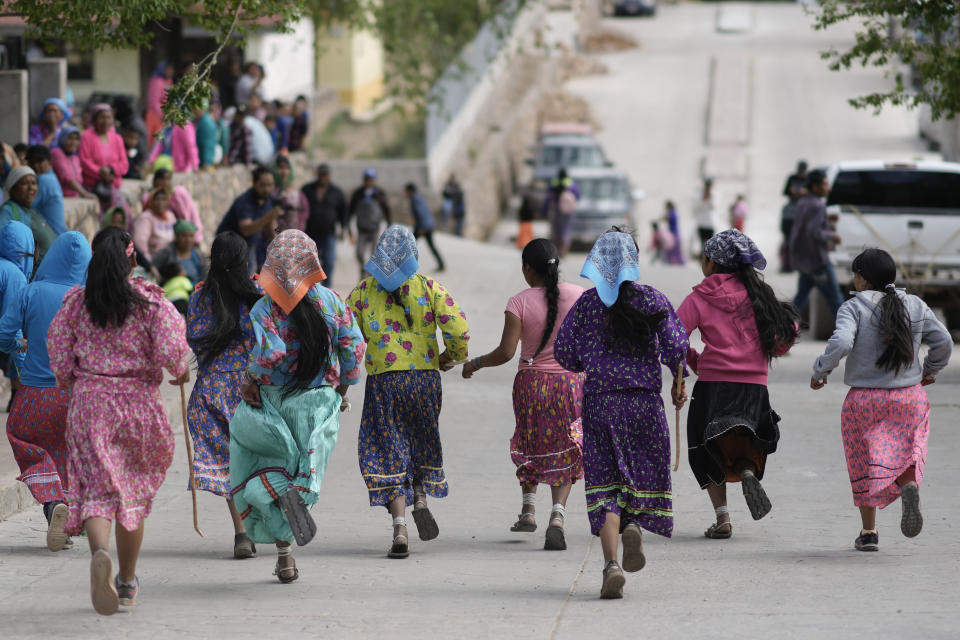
(619, 334)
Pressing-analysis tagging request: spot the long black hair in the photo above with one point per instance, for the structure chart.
(227, 288)
(541, 255)
(109, 298)
(877, 267)
(631, 327)
(314, 336)
(399, 297)
(777, 320)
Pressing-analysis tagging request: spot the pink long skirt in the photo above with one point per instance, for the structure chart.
(885, 433)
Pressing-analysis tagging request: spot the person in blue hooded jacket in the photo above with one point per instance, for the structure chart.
(38, 419)
(16, 267)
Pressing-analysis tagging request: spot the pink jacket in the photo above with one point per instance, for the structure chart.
(67, 168)
(720, 308)
(183, 149)
(93, 155)
(184, 208)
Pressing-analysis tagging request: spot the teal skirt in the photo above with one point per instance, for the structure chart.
(283, 445)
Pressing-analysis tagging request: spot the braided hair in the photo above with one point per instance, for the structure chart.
(877, 267)
(541, 255)
(400, 298)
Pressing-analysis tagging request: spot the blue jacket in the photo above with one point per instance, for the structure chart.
(422, 218)
(49, 201)
(16, 239)
(64, 266)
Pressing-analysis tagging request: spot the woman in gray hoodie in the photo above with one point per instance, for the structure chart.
(885, 419)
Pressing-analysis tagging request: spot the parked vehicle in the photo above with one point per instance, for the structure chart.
(562, 145)
(606, 199)
(632, 7)
(910, 209)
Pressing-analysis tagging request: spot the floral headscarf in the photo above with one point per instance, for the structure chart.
(732, 248)
(291, 268)
(613, 260)
(395, 258)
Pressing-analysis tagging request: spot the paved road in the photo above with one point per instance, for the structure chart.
(792, 575)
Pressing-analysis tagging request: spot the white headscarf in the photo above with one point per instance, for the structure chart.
(14, 177)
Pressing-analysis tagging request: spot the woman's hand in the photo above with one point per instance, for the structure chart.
(928, 379)
(469, 368)
(679, 394)
(817, 384)
(445, 361)
(182, 378)
(250, 392)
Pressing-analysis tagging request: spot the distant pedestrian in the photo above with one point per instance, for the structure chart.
(738, 213)
(108, 343)
(370, 210)
(811, 239)
(793, 190)
(525, 216)
(400, 312)
(619, 334)
(560, 205)
(885, 419)
(37, 424)
(705, 211)
(221, 336)
(454, 205)
(547, 443)
(731, 427)
(673, 254)
(253, 215)
(49, 200)
(326, 210)
(423, 224)
(307, 352)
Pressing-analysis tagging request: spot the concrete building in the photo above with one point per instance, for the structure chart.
(352, 63)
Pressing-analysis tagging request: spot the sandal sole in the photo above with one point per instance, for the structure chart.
(102, 592)
(299, 518)
(427, 527)
(612, 588)
(56, 537)
(756, 497)
(523, 528)
(911, 522)
(555, 540)
(633, 558)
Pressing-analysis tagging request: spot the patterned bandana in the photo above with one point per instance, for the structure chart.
(612, 261)
(395, 258)
(731, 248)
(291, 268)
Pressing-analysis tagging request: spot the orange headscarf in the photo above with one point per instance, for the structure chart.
(291, 268)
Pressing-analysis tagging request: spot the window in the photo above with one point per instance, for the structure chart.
(898, 190)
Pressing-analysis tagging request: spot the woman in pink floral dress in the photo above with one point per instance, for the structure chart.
(109, 343)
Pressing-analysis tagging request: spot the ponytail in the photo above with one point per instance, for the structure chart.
(777, 321)
(541, 255)
(877, 267)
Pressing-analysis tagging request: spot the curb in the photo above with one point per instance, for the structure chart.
(14, 498)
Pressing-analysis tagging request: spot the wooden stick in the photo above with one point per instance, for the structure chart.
(678, 389)
(186, 438)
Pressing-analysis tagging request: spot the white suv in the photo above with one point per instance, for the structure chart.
(911, 210)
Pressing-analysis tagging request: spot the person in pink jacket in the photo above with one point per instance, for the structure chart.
(182, 148)
(731, 427)
(101, 146)
(181, 202)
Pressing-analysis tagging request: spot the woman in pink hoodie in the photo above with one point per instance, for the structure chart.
(731, 428)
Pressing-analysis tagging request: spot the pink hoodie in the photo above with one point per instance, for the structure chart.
(720, 308)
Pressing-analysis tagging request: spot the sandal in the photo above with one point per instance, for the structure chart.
(633, 558)
(280, 571)
(426, 526)
(301, 523)
(243, 547)
(555, 540)
(526, 522)
(715, 533)
(103, 593)
(400, 548)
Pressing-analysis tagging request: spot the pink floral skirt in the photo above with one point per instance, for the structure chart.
(885, 433)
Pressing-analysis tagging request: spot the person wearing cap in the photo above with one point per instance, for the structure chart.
(621, 334)
(183, 250)
(370, 209)
(326, 209)
(704, 211)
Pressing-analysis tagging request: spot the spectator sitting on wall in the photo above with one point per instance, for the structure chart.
(424, 225)
(181, 202)
(20, 190)
(176, 285)
(327, 208)
(66, 164)
(297, 136)
(135, 159)
(49, 200)
(240, 149)
(109, 195)
(208, 138)
(276, 135)
(183, 250)
(261, 144)
(284, 122)
(153, 229)
(53, 115)
(253, 215)
(256, 108)
(180, 145)
(20, 149)
(102, 147)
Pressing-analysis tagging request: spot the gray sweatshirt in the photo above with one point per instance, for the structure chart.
(857, 336)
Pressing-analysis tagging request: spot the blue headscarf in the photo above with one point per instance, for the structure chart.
(64, 134)
(731, 248)
(395, 258)
(64, 109)
(613, 260)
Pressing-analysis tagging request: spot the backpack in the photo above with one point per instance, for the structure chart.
(369, 215)
(567, 202)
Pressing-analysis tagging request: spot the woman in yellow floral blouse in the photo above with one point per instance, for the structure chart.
(399, 312)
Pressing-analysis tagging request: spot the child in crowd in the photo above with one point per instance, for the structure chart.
(620, 334)
(731, 428)
(176, 285)
(885, 419)
(135, 155)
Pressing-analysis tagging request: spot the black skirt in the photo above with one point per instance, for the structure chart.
(720, 408)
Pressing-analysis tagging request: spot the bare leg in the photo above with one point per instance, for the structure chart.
(128, 550)
(398, 508)
(98, 533)
(235, 516)
(610, 537)
(908, 476)
(869, 517)
(718, 497)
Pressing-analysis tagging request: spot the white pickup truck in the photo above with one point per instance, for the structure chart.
(911, 210)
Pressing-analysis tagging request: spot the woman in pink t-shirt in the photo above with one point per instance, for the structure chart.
(547, 399)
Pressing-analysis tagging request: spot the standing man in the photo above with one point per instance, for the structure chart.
(368, 205)
(49, 200)
(810, 241)
(327, 209)
(423, 224)
(704, 211)
(253, 215)
(454, 205)
(793, 190)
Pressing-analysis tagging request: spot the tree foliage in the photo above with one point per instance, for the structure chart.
(918, 34)
(420, 37)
